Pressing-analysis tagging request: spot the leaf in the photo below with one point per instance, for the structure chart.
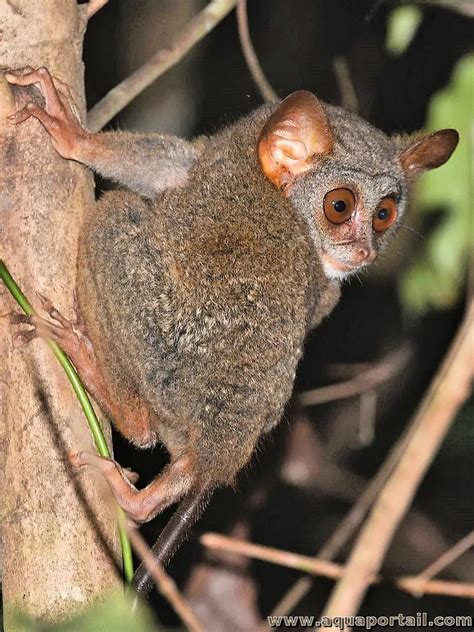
(402, 26)
(437, 277)
(113, 615)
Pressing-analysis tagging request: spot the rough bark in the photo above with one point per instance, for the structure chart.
(59, 537)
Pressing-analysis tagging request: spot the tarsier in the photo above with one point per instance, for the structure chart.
(197, 285)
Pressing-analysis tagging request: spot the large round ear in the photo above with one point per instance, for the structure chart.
(292, 138)
(429, 152)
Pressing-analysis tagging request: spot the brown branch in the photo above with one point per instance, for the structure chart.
(305, 563)
(164, 583)
(323, 568)
(448, 557)
(93, 6)
(251, 59)
(447, 393)
(419, 587)
(120, 96)
(378, 373)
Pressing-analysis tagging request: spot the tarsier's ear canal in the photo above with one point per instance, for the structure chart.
(429, 152)
(292, 138)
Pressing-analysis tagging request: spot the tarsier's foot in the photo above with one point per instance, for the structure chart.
(69, 335)
(140, 505)
(60, 116)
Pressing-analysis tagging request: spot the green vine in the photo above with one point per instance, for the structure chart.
(86, 405)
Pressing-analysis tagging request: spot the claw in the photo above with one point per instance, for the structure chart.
(22, 338)
(131, 475)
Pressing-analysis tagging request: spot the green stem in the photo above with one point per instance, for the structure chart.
(86, 405)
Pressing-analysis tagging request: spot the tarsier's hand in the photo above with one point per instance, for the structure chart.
(60, 116)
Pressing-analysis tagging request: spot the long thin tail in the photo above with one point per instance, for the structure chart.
(175, 532)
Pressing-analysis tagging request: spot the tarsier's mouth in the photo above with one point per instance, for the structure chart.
(339, 267)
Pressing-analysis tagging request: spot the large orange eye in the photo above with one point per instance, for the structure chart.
(385, 215)
(339, 205)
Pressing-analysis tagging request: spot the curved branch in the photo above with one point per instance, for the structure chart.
(376, 375)
(251, 59)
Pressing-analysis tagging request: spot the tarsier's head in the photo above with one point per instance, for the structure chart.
(347, 178)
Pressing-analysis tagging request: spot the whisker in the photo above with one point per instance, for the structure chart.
(397, 252)
(413, 230)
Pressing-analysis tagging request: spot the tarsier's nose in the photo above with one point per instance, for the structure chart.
(363, 254)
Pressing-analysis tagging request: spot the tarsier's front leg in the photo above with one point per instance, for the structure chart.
(145, 163)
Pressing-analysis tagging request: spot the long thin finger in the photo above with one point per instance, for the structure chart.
(18, 72)
(16, 76)
(49, 330)
(46, 120)
(55, 314)
(19, 117)
(79, 322)
(41, 76)
(21, 338)
(112, 472)
(62, 87)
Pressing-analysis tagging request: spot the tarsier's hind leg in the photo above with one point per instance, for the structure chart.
(70, 335)
(130, 414)
(144, 504)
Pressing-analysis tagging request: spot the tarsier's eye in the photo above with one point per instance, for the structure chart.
(385, 214)
(339, 205)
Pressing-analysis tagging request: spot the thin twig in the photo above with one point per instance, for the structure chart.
(447, 393)
(448, 558)
(120, 96)
(93, 6)
(347, 91)
(419, 587)
(164, 583)
(305, 563)
(251, 59)
(378, 373)
(316, 566)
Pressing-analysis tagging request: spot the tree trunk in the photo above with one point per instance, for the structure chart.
(60, 544)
